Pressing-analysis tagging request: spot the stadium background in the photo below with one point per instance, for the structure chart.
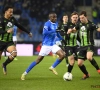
(33, 13)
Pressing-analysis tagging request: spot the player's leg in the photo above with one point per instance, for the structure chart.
(45, 50)
(56, 49)
(13, 53)
(5, 55)
(0, 54)
(32, 65)
(71, 63)
(81, 59)
(64, 48)
(93, 61)
(66, 59)
(83, 69)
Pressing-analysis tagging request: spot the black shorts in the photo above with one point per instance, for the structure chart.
(5, 45)
(83, 51)
(71, 50)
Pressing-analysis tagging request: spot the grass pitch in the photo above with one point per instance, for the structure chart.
(40, 78)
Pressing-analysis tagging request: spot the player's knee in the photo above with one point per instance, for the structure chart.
(71, 63)
(89, 58)
(13, 54)
(80, 63)
(61, 56)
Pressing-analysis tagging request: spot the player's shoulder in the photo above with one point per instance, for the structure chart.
(90, 22)
(47, 23)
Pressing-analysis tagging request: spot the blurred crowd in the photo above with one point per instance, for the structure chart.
(33, 13)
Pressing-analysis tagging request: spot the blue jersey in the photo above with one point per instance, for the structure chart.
(14, 31)
(49, 33)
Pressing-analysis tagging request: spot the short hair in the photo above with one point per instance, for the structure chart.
(83, 13)
(65, 14)
(51, 14)
(7, 7)
(74, 13)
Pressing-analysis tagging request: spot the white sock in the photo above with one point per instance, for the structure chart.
(25, 73)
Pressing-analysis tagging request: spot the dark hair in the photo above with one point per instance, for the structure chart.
(7, 7)
(83, 13)
(51, 14)
(74, 13)
(65, 14)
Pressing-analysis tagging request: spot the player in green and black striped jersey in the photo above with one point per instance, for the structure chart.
(62, 28)
(71, 42)
(6, 30)
(85, 29)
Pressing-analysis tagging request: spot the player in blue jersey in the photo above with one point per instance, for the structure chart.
(48, 44)
(14, 40)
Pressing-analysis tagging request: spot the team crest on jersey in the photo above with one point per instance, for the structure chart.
(9, 24)
(83, 28)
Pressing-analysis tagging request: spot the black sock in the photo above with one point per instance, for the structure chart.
(70, 67)
(66, 60)
(83, 69)
(5, 53)
(94, 63)
(7, 61)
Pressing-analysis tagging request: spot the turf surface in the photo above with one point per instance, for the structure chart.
(40, 78)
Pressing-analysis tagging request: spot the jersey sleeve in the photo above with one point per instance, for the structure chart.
(46, 29)
(14, 31)
(94, 26)
(20, 26)
(2, 27)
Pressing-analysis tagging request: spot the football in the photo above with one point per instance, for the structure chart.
(67, 76)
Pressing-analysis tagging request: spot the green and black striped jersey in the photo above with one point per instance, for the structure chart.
(86, 32)
(72, 37)
(6, 24)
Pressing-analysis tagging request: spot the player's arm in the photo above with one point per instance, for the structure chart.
(46, 29)
(60, 38)
(95, 27)
(73, 30)
(22, 28)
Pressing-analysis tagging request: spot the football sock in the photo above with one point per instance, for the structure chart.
(94, 63)
(83, 69)
(31, 66)
(66, 60)
(5, 53)
(56, 63)
(7, 61)
(70, 67)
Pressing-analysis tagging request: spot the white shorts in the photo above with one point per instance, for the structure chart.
(14, 38)
(45, 50)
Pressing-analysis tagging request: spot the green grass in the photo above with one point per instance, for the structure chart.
(40, 78)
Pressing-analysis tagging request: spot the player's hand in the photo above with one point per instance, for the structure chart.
(58, 43)
(10, 30)
(69, 31)
(30, 34)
